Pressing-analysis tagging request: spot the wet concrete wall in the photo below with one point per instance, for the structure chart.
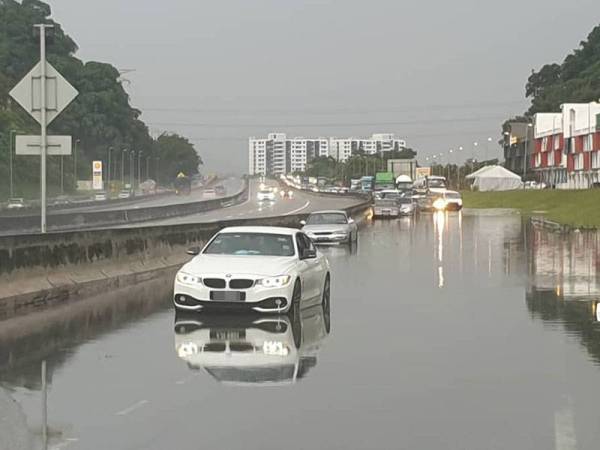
(37, 271)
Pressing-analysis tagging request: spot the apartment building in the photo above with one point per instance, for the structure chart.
(567, 146)
(278, 154)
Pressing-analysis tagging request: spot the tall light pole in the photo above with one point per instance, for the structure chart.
(123, 151)
(529, 125)
(487, 145)
(147, 167)
(62, 175)
(139, 168)
(10, 158)
(156, 171)
(75, 174)
(132, 170)
(110, 149)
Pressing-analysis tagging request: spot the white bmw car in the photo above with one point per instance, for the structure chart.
(264, 269)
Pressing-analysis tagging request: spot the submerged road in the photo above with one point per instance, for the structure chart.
(445, 332)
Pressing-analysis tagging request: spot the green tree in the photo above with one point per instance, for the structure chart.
(101, 117)
(176, 155)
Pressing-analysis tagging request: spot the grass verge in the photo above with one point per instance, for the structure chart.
(579, 208)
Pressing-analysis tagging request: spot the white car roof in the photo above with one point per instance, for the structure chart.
(263, 230)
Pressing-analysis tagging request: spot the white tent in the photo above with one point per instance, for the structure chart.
(495, 178)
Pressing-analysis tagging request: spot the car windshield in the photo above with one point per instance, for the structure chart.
(264, 244)
(385, 202)
(405, 200)
(390, 195)
(264, 191)
(327, 219)
(15, 201)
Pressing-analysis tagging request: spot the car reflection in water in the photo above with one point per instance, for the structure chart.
(252, 349)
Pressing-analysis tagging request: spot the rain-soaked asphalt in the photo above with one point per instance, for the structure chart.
(449, 332)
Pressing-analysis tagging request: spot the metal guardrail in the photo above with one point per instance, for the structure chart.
(62, 221)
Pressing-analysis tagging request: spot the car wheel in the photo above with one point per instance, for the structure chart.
(326, 295)
(294, 314)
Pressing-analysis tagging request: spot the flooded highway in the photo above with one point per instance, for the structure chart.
(449, 331)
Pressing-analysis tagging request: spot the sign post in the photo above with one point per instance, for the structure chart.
(44, 94)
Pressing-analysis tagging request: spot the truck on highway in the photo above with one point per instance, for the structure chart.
(355, 184)
(384, 180)
(182, 184)
(367, 183)
(399, 167)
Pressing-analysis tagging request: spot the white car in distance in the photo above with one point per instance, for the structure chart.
(262, 269)
(266, 195)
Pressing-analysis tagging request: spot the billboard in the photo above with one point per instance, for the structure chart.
(422, 172)
(97, 183)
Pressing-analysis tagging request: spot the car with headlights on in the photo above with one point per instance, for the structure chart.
(406, 205)
(386, 207)
(265, 195)
(330, 227)
(261, 269)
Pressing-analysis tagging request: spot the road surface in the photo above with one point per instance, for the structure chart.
(446, 332)
(302, 202)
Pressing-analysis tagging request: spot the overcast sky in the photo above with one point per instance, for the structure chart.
(441, 74)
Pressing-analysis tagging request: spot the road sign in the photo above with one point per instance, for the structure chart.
(32, 145)
(97, 184)
(59, 93)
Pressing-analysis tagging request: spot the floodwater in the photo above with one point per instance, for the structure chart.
(452, 331)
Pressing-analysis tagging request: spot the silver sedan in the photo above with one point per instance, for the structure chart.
(330, 227)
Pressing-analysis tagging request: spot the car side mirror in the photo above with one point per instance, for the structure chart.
(308, 253)
(303, 222)
(193, 251)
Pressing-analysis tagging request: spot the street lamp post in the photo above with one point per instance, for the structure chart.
(139, 168)
(529, 125)
(77, 141)
(110, 149)
(62, 175)
(11, 151)
(123, 151)
(487, 145)
(156, 171)
(147, 167)
(132, 170)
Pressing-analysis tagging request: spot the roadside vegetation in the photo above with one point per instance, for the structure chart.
(574, 208)
(101, 117)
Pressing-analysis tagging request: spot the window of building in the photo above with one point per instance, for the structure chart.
(550, 159)
(578, 160)
(538, 160)
(587, 143)
(556, 142)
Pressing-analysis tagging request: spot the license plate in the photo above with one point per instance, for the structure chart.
(227, 296)
(228, 335)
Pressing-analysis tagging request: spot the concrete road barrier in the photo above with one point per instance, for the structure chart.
(47, 269)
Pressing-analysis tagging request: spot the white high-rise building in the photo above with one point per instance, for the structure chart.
(278, 154)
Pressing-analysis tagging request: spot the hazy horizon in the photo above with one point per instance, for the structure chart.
(219, 72)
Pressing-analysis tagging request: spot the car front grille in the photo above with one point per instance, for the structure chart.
(241, 284)
(215, 283)
(323, 233)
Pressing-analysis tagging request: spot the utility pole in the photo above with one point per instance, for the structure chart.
(62, 175)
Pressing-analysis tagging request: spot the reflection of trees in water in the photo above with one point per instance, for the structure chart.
(53, 334)
(578, 318)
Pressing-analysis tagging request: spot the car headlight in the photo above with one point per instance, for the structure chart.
(275, 348)
(187, 349)
(186, 278)
(275, 282)
(290, 194)
(439, 204)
